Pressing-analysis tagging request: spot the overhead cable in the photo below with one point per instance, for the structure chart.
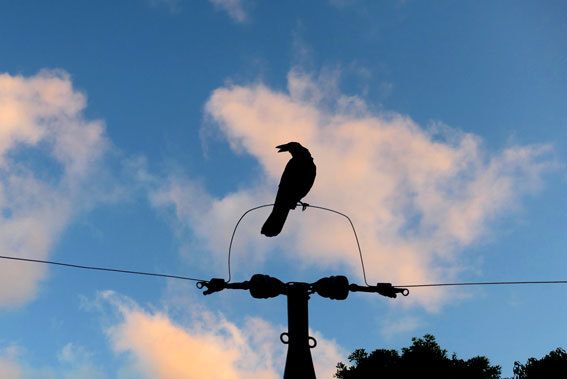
(99, 268)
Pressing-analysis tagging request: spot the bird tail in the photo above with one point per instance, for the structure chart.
(275, 222)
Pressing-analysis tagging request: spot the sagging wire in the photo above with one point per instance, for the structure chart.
(304, 205)
(234, 232)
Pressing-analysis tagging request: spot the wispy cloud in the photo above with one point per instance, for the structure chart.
(73, 361)
(417, 196)
(392, 327)
(236, 9)
(49, 152)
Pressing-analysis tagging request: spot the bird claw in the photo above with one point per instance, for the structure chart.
(303, 206)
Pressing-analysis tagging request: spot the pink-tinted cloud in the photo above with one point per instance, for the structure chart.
(208, 347)
(41, 116)
(417, 195)
(9, 368)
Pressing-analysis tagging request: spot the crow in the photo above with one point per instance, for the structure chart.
(297, 179)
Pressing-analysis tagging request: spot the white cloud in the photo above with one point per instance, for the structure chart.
(407, 324)
(205, 216)
(207, 346)
(417, 196)
(74, 362)
(49, 153)
(235, 8)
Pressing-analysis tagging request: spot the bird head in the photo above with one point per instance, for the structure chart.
(292, 147)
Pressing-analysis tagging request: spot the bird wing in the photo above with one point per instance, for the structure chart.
(297, 179)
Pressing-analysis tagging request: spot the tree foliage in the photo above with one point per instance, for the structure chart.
(553, 364)
(423, 359)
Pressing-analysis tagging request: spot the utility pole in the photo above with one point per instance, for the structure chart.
(299, 363)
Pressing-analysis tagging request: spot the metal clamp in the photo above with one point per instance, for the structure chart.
(314, 342)
(213, 285)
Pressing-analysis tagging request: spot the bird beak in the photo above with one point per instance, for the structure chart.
(282, 148)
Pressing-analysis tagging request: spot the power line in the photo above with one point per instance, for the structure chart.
(484, 283)
(305, 205)
(99, 268)
(201, 280)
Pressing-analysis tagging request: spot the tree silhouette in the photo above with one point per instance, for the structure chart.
(423, 359)
(547, 367)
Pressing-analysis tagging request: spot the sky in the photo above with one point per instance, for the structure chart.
(134, 134)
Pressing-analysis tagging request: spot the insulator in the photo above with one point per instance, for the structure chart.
(264, 286)
(333, 287)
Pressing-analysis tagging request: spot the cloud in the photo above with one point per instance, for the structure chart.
(195, 210)
(234, 8)
(49, 153)
(74, 361)
(418, 196)
(405, 325)
(9, 368)
(209, 346)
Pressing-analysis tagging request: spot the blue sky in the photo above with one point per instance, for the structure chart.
(134, 135)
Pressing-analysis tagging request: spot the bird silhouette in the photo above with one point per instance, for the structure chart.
(297, 179)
